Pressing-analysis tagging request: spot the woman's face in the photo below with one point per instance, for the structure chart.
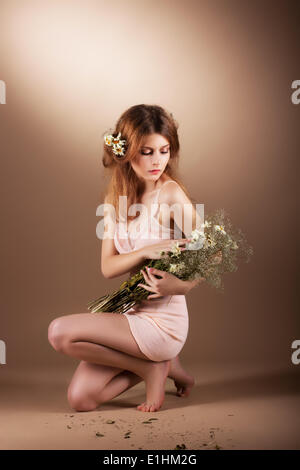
(153, 154)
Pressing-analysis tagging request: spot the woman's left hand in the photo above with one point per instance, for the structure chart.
(167, 285)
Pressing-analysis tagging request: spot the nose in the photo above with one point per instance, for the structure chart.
(156, 158)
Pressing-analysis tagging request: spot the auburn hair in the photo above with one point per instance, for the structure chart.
(134, 124)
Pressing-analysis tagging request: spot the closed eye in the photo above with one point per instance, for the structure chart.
(150, 153)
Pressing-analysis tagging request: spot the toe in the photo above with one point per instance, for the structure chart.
(142, 407)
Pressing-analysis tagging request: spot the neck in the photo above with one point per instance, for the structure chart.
(151, 186)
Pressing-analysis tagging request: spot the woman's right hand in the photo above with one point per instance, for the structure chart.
(153, 251)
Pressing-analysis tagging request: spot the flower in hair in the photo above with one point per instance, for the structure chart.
(116, 143)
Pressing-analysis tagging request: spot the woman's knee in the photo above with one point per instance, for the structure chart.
(57, 334)
(80, 401)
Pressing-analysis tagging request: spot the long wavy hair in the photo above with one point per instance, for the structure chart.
(134, 124)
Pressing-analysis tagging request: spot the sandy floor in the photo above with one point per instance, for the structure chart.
(231, 407)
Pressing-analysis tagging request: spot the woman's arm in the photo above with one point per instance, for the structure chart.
(168, 284)
(114, 264)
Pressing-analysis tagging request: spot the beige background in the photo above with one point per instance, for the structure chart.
(224, 69)
(227, 79)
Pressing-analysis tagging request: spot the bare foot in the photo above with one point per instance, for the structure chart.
(183, 381)
(155, 377)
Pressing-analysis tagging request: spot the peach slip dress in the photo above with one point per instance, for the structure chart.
(159, 325)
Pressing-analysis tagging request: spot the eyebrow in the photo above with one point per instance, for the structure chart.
(147, 147)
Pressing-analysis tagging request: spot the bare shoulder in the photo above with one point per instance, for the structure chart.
(172, 193)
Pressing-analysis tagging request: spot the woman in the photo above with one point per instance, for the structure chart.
(118, 351)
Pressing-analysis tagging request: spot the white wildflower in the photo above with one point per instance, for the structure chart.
(176, 268)
(118, 149)
(206, 224)
(173, 268)
(196, 235)
(175, 249)
(198, 239)
(209, 243)
(220, 228)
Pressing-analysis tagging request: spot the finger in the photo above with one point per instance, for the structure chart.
(154, 296)
(150, 289)
(151, 276)
(170, 243)
(158, 272)
(146, 277)
(144, 274)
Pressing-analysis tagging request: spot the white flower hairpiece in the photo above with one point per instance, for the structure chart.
(116, 143)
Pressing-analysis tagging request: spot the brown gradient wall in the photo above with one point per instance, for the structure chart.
(224, 69)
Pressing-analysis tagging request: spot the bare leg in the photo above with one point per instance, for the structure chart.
(154, 374)
(119, 384)
(183, 381)
(91, 337)
(87, 384)
(94, 384)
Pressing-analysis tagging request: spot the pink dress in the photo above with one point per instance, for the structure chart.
(159, 325)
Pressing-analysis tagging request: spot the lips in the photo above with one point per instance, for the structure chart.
(154, 171)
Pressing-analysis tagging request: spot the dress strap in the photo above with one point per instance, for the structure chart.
(158, 191)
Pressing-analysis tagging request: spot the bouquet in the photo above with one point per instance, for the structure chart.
(196, 261)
